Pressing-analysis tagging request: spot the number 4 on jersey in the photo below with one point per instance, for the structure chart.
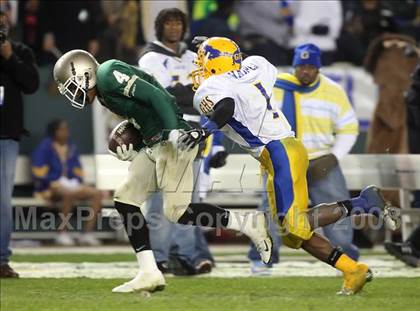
(121, 77)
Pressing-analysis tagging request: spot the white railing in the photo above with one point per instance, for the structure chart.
(239, 182)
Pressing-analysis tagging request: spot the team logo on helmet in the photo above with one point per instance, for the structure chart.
(212, 53)
(304, 55)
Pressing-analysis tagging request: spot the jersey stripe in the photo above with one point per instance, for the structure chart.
(129, 85)
(245, 133)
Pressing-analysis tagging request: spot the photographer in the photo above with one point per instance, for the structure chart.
(17, 74)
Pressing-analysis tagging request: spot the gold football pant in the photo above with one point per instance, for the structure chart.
(285, 162)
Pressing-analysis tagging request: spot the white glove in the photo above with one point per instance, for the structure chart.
(174, 136)
(125, 154)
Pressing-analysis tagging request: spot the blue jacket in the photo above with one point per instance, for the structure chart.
(47, 167)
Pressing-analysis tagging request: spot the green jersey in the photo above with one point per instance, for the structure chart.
(133, 94)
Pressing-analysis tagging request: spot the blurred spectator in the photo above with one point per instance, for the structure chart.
(216, 24)
(412, 99)
(390, 65)
(109, 37)
(363, 21)
(318, 22)
(264, 30)
(29, 19)
(408, 251)
(59, 178)
(43, 45)
(328, 135)
(129, 27)
(18, 75)
(10, 8)
(122, 32)
(406, 15)
(68, 25)
(150, 10)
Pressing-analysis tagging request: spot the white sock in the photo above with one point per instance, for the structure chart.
(239, 221)
(146, 260)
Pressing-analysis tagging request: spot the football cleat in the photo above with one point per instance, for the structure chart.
(258, 268)
(392, 217)
(404, 252)
(204, 266)
(64, 239)
(374, 198)
(369, 276)
(144, 281)
(89, 239)
(257, 231)
(355, 280)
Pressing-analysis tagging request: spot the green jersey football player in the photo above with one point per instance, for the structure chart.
(162, 164)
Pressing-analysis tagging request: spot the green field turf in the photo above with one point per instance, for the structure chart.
(74, 258)
(127, 257)
(294, 293)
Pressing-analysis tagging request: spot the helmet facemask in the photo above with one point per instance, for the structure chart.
(199, 75)
(74, 92)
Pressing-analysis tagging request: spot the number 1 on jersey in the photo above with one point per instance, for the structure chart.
(267, 99)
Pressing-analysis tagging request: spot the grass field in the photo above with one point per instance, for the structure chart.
(55, 279)
(294, 293)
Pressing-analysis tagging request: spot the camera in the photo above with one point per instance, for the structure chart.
(3, 34)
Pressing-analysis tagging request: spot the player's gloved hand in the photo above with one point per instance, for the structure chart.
(191, 138)
(218, 159)
(126, 154)
(197, 40)
(174, 136)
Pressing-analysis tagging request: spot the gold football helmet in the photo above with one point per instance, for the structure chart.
(215, 56)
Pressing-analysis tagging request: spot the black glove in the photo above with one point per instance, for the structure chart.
(320, 30)
(192, 138)
(218, 159)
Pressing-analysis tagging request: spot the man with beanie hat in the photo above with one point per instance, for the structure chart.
(321, 115)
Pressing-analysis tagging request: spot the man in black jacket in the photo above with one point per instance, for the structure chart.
(18, 75)
(409, 250)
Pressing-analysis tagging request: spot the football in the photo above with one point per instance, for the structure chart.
(124, 133)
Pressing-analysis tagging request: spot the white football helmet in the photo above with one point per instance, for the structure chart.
(75, 74)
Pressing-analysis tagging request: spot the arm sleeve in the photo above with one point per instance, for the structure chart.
(183, 93)
(77, 170)
(346, 127)
(122, 80)
(160, 102)
(40, 163)
(342, 145)
(223, 112)
(21, 66)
